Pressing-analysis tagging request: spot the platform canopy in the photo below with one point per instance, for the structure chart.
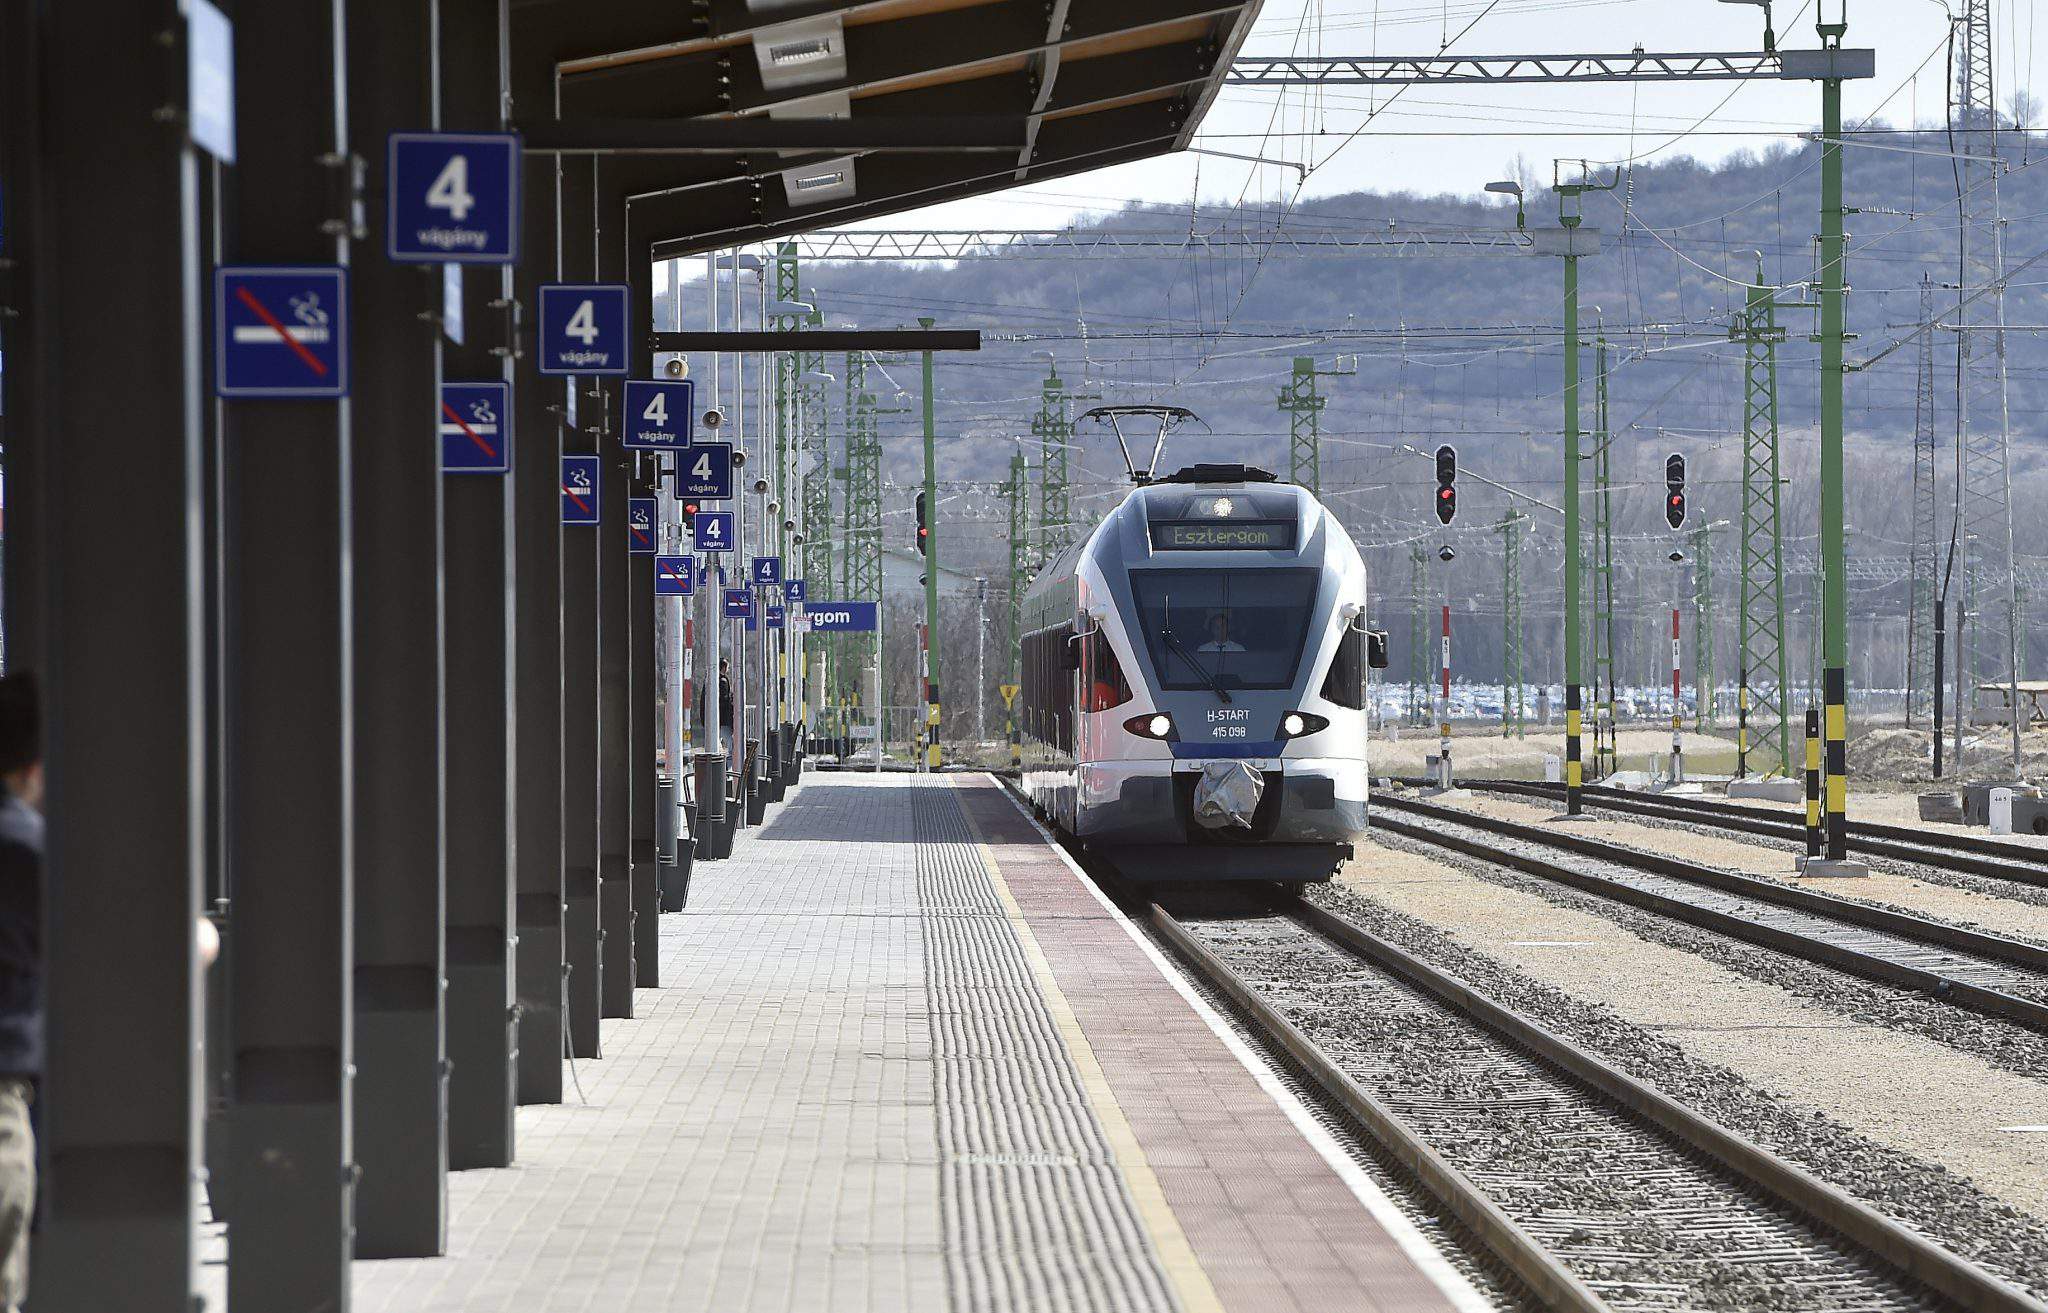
(737, 121)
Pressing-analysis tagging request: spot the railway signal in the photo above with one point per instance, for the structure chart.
(1446, 484)
(924, 531)
(1674, 490)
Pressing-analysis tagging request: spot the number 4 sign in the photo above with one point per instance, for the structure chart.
(454, 197)
(706, 471)
(582, 329)
(657, 415)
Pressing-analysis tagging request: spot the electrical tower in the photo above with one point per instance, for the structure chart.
(1762, 705)
(1922, 583)
(1513, 710)
(1017, 488)
(1304, 407)
(1055, 434)
(785, 318)
(1992, 652)
(863, 486)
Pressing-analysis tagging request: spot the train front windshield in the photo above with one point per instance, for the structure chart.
(1233, 629)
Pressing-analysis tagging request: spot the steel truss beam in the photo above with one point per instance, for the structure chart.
(1496, 70)
(1158, 244)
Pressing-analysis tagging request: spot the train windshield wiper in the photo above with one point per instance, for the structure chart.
(1181, 649)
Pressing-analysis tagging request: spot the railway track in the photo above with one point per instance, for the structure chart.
(1967, 854)
(1966, 968)
(1596, 1190)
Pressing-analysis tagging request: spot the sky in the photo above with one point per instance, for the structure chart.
(1453, 140)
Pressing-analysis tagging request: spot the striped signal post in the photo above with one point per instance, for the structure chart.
(1677, 718)
(1813, 846)
(1443, 709)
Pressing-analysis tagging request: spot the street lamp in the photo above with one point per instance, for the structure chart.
(1770, 37)
(1511, 188)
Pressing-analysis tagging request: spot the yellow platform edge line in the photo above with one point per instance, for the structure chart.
(1190, 1280)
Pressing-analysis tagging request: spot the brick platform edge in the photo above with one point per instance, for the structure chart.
(1274, 1215)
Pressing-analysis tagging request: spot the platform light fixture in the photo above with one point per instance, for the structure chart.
(1770, 37)
(1509, 187)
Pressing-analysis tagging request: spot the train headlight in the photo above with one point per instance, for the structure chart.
(1300, 724)
(1156, 725)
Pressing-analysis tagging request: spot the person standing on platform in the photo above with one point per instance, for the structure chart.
(725, 708)
(21, 972)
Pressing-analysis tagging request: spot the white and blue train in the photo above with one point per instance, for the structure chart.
(1194, 683)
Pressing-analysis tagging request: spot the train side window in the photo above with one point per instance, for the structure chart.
(1104, 684)
(1345, 684)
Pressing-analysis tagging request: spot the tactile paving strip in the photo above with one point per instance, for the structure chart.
(1035, 1210)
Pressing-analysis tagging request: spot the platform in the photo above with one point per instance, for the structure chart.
(906, 1057)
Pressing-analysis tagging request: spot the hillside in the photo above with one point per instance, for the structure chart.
(1467, 349)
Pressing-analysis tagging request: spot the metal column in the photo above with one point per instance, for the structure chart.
(401, 1113)
(642, 773)
(540, 419)
(101, 191)
(614, 636)
(291, 686)
(482, 717)
(583, 936)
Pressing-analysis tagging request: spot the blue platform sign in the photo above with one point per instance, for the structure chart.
(774, 610)
(768, 571)
(658, 415)
(643, 536)
(454, 196)
(579, 489)
(476, 428)
(737, 603)
(675, 576)
(280, 331)
(840, 617)
(706, 471)
(582, 328)
(714, 531)
(793, 591)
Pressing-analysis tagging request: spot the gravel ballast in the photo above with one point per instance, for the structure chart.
(1769, 1048)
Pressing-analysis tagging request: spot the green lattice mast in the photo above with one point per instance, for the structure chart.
(786, 368)
(1304, 409)
(1055, 434)
(1513, 710)
(1760, 692)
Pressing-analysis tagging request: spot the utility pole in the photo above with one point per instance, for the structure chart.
(1418, 583)
(1833, 550)
(931, 564)
(1304, 407)
(1572, 242)
(1760, 674)
(1512, 708)
(1706, 686)
(1921, 588)
(1606, 753)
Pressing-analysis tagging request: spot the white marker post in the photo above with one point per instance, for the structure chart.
(1443, 709)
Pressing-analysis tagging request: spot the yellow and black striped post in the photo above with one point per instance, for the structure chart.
(1812, 784)
(1574, 769)
(1835, 689)
(1742, 724)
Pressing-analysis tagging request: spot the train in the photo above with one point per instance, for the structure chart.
(1194, 683)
